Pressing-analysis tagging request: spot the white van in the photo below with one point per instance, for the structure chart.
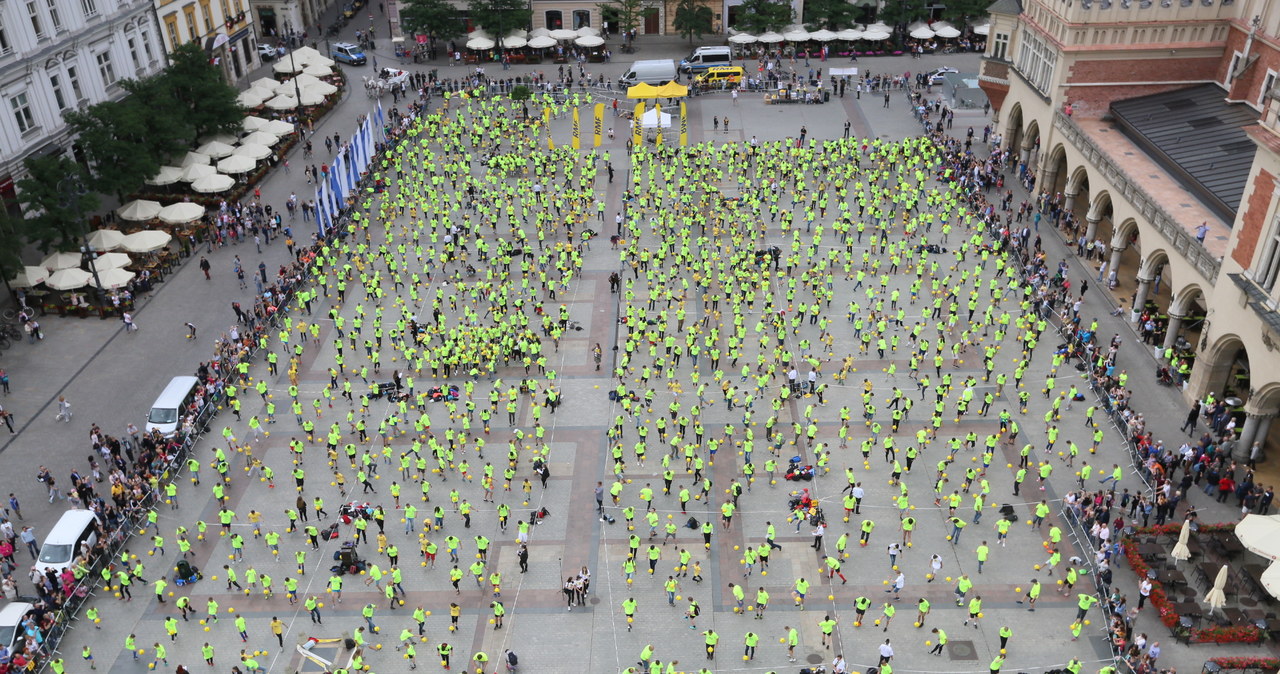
(706, 57)
(11, 622)
(656, 72)
(62, 545)
(166, 412)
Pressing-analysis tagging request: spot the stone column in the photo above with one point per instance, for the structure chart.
(1139, 299)
(1247, 434)
(1171, 332)
(1115, 258)
(1069, 201)
(1091, 229)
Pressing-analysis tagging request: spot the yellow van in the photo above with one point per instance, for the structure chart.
(721, 76)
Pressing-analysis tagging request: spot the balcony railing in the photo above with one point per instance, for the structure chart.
(1131, 190)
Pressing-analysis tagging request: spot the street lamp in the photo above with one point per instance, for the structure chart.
(73, 190)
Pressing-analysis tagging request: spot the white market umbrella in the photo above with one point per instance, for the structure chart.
(311, 97)
(265, 83)
(195, 172)
(215, 149)
(283, 102)
(742, 38)
(983, 29)
(167, 175)
(113, 278)
(216, 182)
(539, 32)
(587, 30)
(56, 261)
(875, 35)
(849, 34)
(306, 55)
(260, 138)
(1260, 534)
(28, 277)
(319, 89)
(68, 279)
(181, 213)
(278, 127)
(589, 41)
(1271, 580)
(138, 209)
(479, 32)
(542, 41)
(111, 261)
(480, 43)
(796, 35)
(947, 32)
(317, 70)
(922, 33)
(563, 34)
(224, 138)
(880, 27)
(770, 38)
(253, 98)
(237, 163)
(519, 32)
(321, 61)
(287, 66)
(194, 158)
(823, 35)
(105, 239)
(513, 42)
(146, 241)
(302, 81)
(253, 123)
(252, 151)
(1180, 549)
(1216, 598)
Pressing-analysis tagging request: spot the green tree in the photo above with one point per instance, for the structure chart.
(758, 16)
(963, 12)
(201, 99)
(500, 17)
(169, 127)
(692, 19)
(627, 13)
(113, 135)
(12, 241)
(902, 12)
(830, 14)
(55, 199)
(436, 18)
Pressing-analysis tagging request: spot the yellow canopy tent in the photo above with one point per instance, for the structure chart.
(643, 90)
(672, 90)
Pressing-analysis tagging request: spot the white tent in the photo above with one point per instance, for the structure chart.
(650, 120)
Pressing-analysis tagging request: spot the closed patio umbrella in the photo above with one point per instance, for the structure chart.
(105, 239)
(181, 213)
(1180, 549)
(1216, 598)
(68, 279)
(139, 209)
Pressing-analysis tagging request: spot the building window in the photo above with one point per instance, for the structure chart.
(5, 46)
(171, 28)
(37, 27)
(133, 54)
(22, 113)
(54, 16)
(55, 85)
(1268, 267)
(89, 7)
(207, 16)
(1268, 83)
(73, 78)
(1000, 47)
(145, 36)
(190, 12)
(1036, 61)
(105, 68)
(581, 18)
(555, 20)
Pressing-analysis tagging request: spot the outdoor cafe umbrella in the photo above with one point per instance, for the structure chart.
(982, 29)
(317, 70)
(237, 163)
(252, 151)
(1180, 549)
(312, 97)
(480, 43)
(849, 34)
(181, 212)
(195, 172)
(542, 41)
(587, 30)
(589, 41)
(287, 65)
(105, 239)
(253, 123)
(1271, 580)
(167, 175)
(796, 35)
(68, 279)
(947, 32)
(215, 149)
(563, 34)
(770, 38)
(29, 276)
(278, 127)
(260, 138)
(539, 32)
(217, 182)
(1216, 598)
(111, 261)
(253, 98)
(318, 89)
(56, 261)
(194, 158)
(1260, 534)
(266, 83)
(146, 241)
(513, 42)
(922, 33)
(479, 32)
(224, 138)
(283, 102)
(742, 38)
(823, 35)
(875, 35)
(113, 278)
(138, 209)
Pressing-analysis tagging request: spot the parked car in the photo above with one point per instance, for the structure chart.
(939, 75)
(345, 52)
(266, 52)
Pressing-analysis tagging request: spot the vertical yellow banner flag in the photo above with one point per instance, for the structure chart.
(546, 122)
(577, 131)
(684, 125)
(599, 125)
(657, 116)
(637, 127)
